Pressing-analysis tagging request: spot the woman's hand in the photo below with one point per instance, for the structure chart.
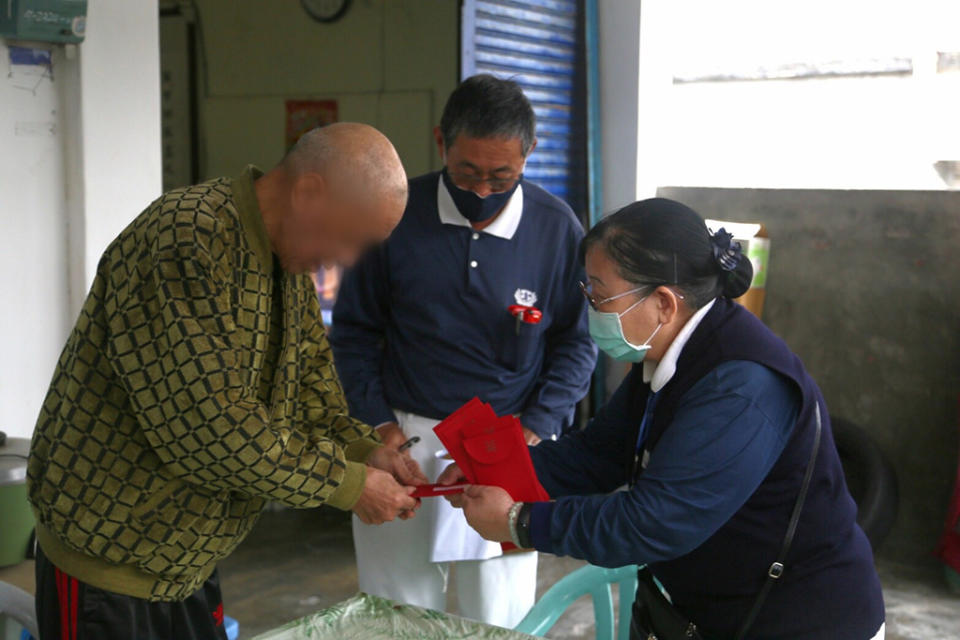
(487, 510)
(453, 475)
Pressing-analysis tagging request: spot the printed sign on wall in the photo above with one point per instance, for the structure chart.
(303, 115)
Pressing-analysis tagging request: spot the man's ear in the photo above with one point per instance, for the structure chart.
(308, 189)
(532, 148)
(438, 138)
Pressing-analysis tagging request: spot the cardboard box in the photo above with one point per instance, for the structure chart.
(755, 244)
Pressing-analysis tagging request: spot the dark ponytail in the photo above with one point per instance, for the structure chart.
(663, 242)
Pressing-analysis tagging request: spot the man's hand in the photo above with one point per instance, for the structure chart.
(530, 437)
(383, 499)
(391, 434)
(487, 510)
(402, 467)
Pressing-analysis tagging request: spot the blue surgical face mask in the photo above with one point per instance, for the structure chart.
(607, 331)
(473, 207)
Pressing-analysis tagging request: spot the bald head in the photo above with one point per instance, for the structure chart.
(355, 159)
(339, 190)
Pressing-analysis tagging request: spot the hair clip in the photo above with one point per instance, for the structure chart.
(726, 252)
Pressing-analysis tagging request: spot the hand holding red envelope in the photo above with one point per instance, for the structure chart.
(436, 490)
(490, 450)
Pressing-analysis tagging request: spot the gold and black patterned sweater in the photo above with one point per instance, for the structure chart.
(196, 385)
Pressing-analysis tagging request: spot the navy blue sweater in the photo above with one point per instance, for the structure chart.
(422, 323)
(713, 564)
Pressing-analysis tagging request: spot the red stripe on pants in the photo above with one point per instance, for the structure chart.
(74, 588)
(68, 598)
(62, 600)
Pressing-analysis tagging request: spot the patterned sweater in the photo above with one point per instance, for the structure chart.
(196, 385)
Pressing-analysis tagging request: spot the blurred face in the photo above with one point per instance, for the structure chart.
(482, 165)
(327, 228)
(660, 306)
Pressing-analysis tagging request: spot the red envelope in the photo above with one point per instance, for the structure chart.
(499, 457)
(436, 490)
(472, 415)
(491, 450)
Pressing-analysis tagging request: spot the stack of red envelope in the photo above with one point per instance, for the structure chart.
(491, 450)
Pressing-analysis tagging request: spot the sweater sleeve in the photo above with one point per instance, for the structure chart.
(184, 374)
(728, 432)
(324, 406)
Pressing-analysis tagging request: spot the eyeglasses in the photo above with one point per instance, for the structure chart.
(470, 181)
(585, 288)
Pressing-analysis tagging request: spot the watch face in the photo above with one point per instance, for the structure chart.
(325, 10)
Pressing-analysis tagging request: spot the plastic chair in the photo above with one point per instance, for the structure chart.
(596, 582)
(17, 604)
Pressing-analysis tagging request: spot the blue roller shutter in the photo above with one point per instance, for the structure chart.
(538, 43)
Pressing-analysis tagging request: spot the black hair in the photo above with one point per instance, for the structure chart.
(484, 106)
(663, 242)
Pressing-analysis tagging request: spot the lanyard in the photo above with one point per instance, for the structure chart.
(642, 434)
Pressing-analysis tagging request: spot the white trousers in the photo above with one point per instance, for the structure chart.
(394, 560)
(881, 633)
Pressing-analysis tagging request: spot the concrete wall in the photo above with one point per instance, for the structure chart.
(389, 63)
(81, 157)
(864, 286)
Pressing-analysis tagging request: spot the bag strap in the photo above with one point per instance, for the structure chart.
(776, 569)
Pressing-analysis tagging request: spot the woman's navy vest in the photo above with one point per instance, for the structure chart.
(829, 588)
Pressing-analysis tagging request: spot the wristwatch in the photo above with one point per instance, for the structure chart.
(523, 526)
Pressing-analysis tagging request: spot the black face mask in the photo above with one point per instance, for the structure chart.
(473, 207)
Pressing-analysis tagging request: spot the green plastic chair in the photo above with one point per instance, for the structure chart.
(596, 582)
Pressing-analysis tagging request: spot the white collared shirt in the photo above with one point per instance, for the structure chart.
(503, 227)
(658, 374)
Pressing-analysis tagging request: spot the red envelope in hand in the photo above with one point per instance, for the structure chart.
(437, 490)
(491, 451)
(499, 457)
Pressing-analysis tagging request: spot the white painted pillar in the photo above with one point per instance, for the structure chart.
(113, 151)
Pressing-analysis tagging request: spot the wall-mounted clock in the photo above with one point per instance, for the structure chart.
(325, 10)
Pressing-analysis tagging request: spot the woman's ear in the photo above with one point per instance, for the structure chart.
(668, 305)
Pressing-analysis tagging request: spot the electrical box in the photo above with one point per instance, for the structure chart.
(44, 20)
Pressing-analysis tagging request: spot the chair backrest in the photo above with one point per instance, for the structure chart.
(592, 581)
(18, 605)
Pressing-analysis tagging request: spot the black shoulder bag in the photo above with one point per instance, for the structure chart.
(655, 617)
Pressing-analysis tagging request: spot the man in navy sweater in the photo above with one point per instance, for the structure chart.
(474, 294)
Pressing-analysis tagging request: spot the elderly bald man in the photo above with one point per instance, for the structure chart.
(198, 384)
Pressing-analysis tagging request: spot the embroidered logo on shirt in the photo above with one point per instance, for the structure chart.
(525, 297)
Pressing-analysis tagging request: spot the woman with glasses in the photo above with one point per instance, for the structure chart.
(713, 465)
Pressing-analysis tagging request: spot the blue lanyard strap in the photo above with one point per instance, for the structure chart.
(642, 433)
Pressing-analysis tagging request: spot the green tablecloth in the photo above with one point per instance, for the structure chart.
(372, 618)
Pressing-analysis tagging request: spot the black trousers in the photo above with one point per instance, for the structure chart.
(68, 609)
